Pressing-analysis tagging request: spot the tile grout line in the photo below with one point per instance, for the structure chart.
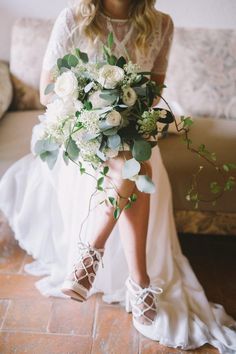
(49, 318)
(94, 323)
(6, 312)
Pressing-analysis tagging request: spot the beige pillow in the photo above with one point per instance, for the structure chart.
(29, 42)
(5, 88)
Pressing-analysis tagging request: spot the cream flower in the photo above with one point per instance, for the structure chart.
(129, 96)
(97, 101)
(110, 75)
(162, 113)
(59, 109)
(113, 118)
(66, 85)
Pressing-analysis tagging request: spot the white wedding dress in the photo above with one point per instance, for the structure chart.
(45, 209)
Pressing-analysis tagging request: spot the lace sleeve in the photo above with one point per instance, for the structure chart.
(161, 61)
(60, 42)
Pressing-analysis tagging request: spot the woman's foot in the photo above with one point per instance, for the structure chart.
(79, 282)
(143, 302)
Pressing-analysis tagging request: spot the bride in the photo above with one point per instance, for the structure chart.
(141, 260)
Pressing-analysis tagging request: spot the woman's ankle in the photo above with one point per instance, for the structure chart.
(143, 281)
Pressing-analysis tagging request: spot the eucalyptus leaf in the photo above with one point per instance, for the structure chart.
(72, 149)
(121, 62)
(131, 168)
(72, 60)
(141, 150)
(145, 184)
(50, 157)
(114, 141)
(49, 88)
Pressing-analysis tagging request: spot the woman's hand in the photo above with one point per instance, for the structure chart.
(159, 79)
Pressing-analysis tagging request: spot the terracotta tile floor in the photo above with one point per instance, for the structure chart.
(30, 323)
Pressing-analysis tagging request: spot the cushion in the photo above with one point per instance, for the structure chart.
(5, 88)
(29, 42)
(15, 136)
(201, 76)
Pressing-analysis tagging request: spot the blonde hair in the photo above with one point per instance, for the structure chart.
(143, 18)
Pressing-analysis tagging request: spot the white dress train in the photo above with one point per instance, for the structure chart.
(45, 209)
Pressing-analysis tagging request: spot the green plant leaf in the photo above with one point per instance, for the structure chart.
(72, 60)
(131, 168)
(82, 55)
(116, 213)
(215, 187)
(100, 183)
(145, 184)
(112, 201)
(49, 88)
(114, 141)
(50, 157)
(72, 149)
(121, 62)
(141, 150)
(133, 197)
(110, 40)
(105, 170)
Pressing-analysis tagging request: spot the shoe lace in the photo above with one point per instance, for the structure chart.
(87, 249)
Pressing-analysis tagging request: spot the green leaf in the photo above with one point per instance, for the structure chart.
(50, 157)
(141, 150)
(82, 55)
(72, 60)
(229, 166)
(45, 145)
(59, 63)
(116, 213)
(131, 168)
(88, 105)
(72, 149)
(112, 201)
(121, 62)
(114, 141)
(65, 158)
(49, 88)
(145, 184)
(128, 205)
(110, 40)
(105, 170)
(187, 121)
(133, 197)
(100, 183)
(230, 183)
(215, 187)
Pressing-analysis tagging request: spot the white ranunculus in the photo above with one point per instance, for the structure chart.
(113, 118)
(97, 101)
(59, 109)
(110, 75)
(66, 85)
(129, 96)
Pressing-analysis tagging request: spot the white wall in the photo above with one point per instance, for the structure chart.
(191, 13)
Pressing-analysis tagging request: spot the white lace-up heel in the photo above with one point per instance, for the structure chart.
(89, 260)
(136, 302)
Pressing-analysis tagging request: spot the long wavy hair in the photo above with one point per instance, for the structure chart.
(142, 14)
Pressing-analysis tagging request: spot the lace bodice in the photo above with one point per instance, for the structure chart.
(65, 36)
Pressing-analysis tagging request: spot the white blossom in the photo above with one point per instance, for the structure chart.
(113, 118)
(110, 75)
(129, 96)
(66, 85)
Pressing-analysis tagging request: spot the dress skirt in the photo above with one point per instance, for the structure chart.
(45, 209)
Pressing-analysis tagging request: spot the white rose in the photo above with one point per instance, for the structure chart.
(97, 101)
(66, 85)
(110, 75)
(113, 118)
(129, 96)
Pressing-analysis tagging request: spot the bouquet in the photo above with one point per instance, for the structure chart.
(100, 109)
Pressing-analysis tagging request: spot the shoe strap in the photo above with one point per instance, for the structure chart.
(87, 249)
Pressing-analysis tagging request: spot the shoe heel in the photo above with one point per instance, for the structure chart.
(128, 307)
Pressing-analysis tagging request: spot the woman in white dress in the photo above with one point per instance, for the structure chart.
(141, 256)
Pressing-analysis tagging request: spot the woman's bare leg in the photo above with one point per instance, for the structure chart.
(133, 226)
